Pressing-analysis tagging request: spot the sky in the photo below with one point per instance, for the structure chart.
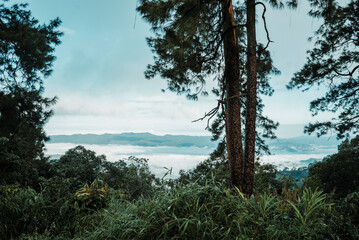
(99, 81)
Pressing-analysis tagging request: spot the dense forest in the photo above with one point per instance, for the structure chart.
(231, 195)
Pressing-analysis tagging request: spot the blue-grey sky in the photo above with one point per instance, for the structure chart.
(98, 75)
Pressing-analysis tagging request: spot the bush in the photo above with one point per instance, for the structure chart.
(345, 217)
(211, 211)
(339, 172)
(23, 210)
(266, 176)
(79, 164)
(93, 197)
(131, 176)
(17, 208)
(140, 208)
(216, 170)
(186, 212)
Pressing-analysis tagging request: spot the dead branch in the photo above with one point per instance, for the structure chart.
(265, 24)
(215, 110)
(349, 74)
(210, 114)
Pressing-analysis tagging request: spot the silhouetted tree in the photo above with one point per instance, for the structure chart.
(26, 56)
(339, 172)
(333, 62)
(198, 40)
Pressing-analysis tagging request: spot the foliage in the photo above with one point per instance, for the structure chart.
(15, 169)
(188, 43)
(308, 206)
(216, 169)
(345, 217)
(338, 172)
(79, 164)
(24, 210)
(132, 176)
(297, 174)
(209, 212)
(266, 176)
(83, 166)
(54, 209)
(191, 211)
(17, 207)
(94, 196)
(26, 48)
(59, 207)
(333, 62)
(26, 56)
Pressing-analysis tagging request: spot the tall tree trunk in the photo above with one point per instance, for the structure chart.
(251, 105)
(233, 105)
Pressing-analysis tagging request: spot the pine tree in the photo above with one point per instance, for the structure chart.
(333, 62)
(197, 40)
(26, 55)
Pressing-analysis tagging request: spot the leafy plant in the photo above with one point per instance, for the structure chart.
(18, 206)
(308, 206)
(94, 196)
(339, 171)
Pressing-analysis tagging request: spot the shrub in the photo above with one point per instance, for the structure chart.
(185, 212)
(79, 164)
(211, 211)
(17, 208)
(93, 197)
(345, 217)
(132, 176)
(23, 210)
(339, 171)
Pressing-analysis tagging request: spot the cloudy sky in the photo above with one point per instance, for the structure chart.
(98, 75)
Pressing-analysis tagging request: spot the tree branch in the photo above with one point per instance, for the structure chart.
(349, 74)
(210, 114)
(214, 111)
(265, 24)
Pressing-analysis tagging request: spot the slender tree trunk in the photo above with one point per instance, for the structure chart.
(233, 105)
(251, 106)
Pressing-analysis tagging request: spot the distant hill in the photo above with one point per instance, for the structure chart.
(303, 145)
(297, 145)
(136, 139)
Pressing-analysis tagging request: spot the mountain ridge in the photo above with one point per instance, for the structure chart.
(137, 139)
(295, 145)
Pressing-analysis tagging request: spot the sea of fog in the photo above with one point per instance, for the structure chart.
(176, 158)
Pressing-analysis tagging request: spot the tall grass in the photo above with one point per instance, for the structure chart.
(209, 212)
(191, 211)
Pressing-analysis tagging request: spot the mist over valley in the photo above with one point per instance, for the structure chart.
(185, 152)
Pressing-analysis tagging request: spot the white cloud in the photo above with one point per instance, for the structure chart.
(67, 31)
(157, 162)
(143, 107)
(290, 160)
(83, 104)
(81, 113)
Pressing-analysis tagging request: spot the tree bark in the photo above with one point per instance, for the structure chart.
(251, 105)
(233, 105)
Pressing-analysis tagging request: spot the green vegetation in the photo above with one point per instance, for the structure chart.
(333, 62)
(83, 196)
(338, 172)
(26, 55)
(88, 197)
